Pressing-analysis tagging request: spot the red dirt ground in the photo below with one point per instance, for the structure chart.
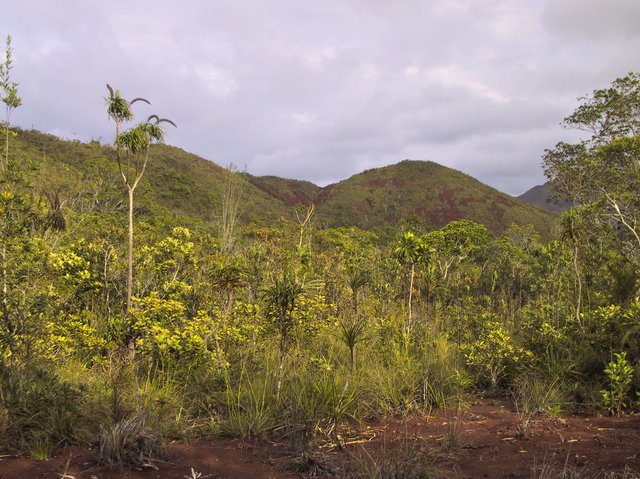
(486, 444)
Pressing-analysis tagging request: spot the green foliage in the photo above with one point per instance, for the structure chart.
(8, 96)
(620, 377)
(610, 112)
(602, 171)
(40, 410)
(161, 329)
(494, 352)
(410, 249)
(251, 407)
(9, 88)
(284, 325)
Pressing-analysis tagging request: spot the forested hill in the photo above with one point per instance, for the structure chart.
(434, 194)
(183, 187)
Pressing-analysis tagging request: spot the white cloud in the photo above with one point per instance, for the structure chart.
(454, 76)
(219, 82)
(303, 118)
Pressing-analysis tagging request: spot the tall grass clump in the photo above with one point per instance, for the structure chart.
(250, 400)
(129, 442)
(317, 403)
(39, 411)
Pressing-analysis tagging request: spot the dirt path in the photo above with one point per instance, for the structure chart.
(486, 440)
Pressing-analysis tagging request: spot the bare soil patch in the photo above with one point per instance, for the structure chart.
(482, 440)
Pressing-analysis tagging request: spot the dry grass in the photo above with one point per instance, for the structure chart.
(129, 442)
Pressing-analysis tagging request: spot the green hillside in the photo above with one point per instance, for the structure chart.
(177, 184)
(293, 192)
(189, 189)
(433, 193)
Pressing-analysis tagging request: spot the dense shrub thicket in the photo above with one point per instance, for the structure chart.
(300, 331)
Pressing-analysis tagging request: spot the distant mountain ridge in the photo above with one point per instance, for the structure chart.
(541, 195)
(431, 192)
(188, 189)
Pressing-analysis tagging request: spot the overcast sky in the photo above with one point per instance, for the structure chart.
(320, 90)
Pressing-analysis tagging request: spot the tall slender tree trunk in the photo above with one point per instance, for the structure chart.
(130, 254)
(281, 365)
(5, 307)
(6, 143)
(223, 321)
(352, 351)
(7, 324)
(576, 267)
(105, 272)
(410, 320)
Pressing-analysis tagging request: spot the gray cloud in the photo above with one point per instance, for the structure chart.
(592, 20)
(322, 90)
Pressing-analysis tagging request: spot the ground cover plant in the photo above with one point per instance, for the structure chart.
(296, 333)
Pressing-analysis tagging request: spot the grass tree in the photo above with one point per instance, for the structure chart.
(227, 276)
(410, 250)
(281, 300)
(132, 153)
(10, 98)
(358, 278)
(352, 330)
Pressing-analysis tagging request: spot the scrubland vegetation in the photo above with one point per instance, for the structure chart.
(283, 328)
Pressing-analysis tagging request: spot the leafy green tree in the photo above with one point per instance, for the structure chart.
(603, 171)
(456, 242)
(610, 113)
(17, 214)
